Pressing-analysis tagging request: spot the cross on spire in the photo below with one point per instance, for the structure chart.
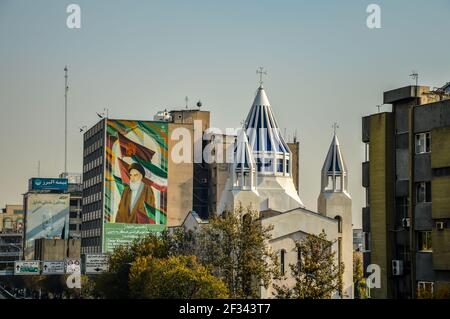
(335, 126)
(261, 72)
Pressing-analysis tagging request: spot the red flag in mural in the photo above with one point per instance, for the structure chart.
(128, 148)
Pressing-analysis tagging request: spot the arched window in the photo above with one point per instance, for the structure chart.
(339, 219)
(283, 261)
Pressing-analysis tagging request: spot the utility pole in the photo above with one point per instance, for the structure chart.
(66, 89)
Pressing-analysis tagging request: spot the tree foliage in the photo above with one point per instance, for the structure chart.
(359, 281)
(317, 275)
(114, 283)
(179, 277)
(235, 245)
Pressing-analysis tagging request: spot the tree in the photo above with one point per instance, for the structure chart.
(359, 282)
(175, 277)
(114, 283)
(235, 246)
(317, 275)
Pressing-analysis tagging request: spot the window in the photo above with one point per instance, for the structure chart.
(329, 186)
(338, 183)
(423, 192)
(339, 219)
(367, 241)
(424, 241)
(280, 165)
(282, 261)
(423, 143)
(425, 289)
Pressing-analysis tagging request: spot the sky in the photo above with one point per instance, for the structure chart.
(138, 57)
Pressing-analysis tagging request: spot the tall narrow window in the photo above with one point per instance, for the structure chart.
(280, 165)
(299, 259)
(423, 143)
(283, 261)
(424, 241)
(339, 219)
(338, 183)
(423, 192)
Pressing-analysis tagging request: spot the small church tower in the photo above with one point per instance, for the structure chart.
(335, 202)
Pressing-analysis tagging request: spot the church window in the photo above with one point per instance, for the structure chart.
(339, 219)
(338, 183)
(283, 261)
(280, 165)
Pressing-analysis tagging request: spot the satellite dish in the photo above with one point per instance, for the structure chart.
(199, 104)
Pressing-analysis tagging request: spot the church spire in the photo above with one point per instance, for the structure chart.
(334, 170)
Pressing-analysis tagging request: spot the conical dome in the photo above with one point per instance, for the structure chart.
(262, 128)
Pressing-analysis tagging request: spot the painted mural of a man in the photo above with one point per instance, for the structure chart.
(134, 197)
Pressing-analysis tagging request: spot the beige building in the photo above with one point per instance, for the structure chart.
(11, 218)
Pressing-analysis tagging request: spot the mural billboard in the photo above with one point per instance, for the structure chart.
(47, 216)
(135, 200)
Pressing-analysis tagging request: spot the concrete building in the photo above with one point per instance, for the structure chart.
(57, 249)
(46, 212)
(407, 179)
(11, 218)
(75, 189)
(184, 191)
(11, 235)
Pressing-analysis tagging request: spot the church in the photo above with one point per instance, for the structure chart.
(261, 176)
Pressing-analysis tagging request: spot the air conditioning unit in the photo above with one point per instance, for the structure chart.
(406, 222)
(397, 267)
(440, 225)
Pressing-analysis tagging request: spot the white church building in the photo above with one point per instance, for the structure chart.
(261, 177)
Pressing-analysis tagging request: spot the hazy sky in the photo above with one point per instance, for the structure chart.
(138, 57)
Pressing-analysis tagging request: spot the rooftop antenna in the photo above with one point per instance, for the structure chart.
(187, 101)
(66, 89)
(335, 126)
(83, 128)
(295, 136)
(415, 76)
(39, 169)
(105, 114)
(261, 72)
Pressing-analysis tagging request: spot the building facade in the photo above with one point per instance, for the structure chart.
(262, 177)
(407, 179)
(11, 235)
(112, 149)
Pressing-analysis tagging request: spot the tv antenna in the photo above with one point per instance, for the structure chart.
(415, 76)
(66, 89)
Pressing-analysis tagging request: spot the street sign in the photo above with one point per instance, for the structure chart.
(96, 264)
(31, 267)
(53, 267)
(73, 266)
